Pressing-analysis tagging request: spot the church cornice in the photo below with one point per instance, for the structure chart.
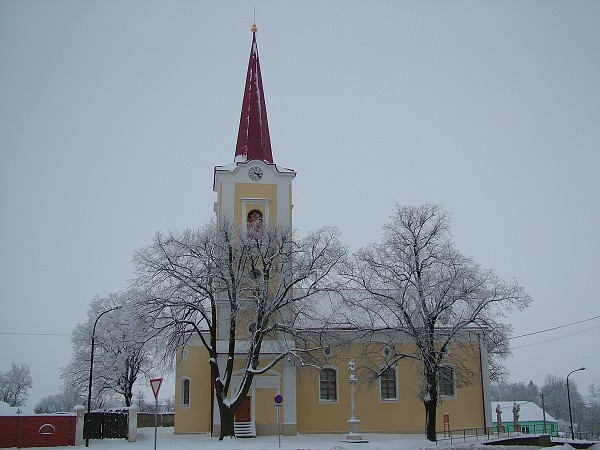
(241, 165)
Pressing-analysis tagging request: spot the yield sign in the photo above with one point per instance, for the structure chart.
(155, 383)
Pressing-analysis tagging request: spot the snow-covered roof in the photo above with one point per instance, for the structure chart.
(529, 412)
(7, 410)
(231, 167)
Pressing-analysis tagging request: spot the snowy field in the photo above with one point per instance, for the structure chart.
(169, 441)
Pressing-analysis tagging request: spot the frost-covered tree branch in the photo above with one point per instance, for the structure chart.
(124, 349)
(214, 282)
(15, 384)
(415, 282)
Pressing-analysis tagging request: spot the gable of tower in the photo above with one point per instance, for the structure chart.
(254, 185)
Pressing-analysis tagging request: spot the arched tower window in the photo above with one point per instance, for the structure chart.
(254, 220)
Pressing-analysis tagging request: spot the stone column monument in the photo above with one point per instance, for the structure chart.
(353, 423)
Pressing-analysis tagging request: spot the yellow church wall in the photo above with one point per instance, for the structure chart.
(242, 324)
(194, 418)
(266, 415)
(406, 414)
(255, 190)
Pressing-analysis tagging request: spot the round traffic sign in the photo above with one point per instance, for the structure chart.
(279, 399)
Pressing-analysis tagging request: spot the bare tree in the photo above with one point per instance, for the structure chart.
(260, 276)
(520, 391)
(124, 349)
(140, 401)
(555, 397)
(15, 384)
(590, 421)
(63, 402)
(415, 282)
(496, 342)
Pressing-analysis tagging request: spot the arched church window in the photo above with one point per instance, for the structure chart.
(254, 220)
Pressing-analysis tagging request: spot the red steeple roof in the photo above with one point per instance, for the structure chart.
(253, 140)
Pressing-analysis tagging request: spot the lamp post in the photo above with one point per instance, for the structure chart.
(89, 405)
(569, 399)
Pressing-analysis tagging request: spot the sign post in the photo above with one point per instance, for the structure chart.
(155, 384)
(278, 401)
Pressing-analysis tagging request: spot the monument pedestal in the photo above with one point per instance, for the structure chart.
(353, 435)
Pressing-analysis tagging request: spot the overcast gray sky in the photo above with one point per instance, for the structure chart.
(113, 115)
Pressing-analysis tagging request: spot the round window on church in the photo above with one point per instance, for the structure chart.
(387, 352)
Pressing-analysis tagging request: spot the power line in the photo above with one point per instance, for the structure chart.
(556, 338)
(554, 328)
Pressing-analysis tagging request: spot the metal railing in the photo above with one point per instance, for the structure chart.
(475, 434)
(480, 433)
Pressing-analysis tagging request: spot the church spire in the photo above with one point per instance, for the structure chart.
(253, 140)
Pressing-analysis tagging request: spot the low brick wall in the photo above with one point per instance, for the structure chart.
(147, 420)
(42, 430)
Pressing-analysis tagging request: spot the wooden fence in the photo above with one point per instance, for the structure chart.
(106, 425)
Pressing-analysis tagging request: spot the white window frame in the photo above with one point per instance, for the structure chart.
(337, 386)
(249, 204)
(388, 400)
(453, 381)
(182, 381)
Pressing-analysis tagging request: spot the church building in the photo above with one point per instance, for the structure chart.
(315, 400)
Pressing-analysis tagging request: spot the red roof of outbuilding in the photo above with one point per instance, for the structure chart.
(253, 140)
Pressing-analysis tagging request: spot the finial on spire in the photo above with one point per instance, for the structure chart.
(254, 28)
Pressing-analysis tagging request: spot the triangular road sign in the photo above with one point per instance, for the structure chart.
(155, 383)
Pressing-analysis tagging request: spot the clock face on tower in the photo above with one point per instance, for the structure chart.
(255, 173)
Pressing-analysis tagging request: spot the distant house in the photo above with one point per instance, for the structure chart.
(531, 418)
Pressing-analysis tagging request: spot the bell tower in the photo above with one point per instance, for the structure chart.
(253, 187)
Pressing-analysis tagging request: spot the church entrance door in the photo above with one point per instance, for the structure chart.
(243, 414)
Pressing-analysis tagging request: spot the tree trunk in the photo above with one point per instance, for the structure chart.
(430, 402)
(430, 419)
(227, 421)
(128, 397)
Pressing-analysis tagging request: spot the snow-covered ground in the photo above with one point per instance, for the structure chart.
(167, 440)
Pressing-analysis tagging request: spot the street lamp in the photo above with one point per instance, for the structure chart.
(89, 405)
(569, 399)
